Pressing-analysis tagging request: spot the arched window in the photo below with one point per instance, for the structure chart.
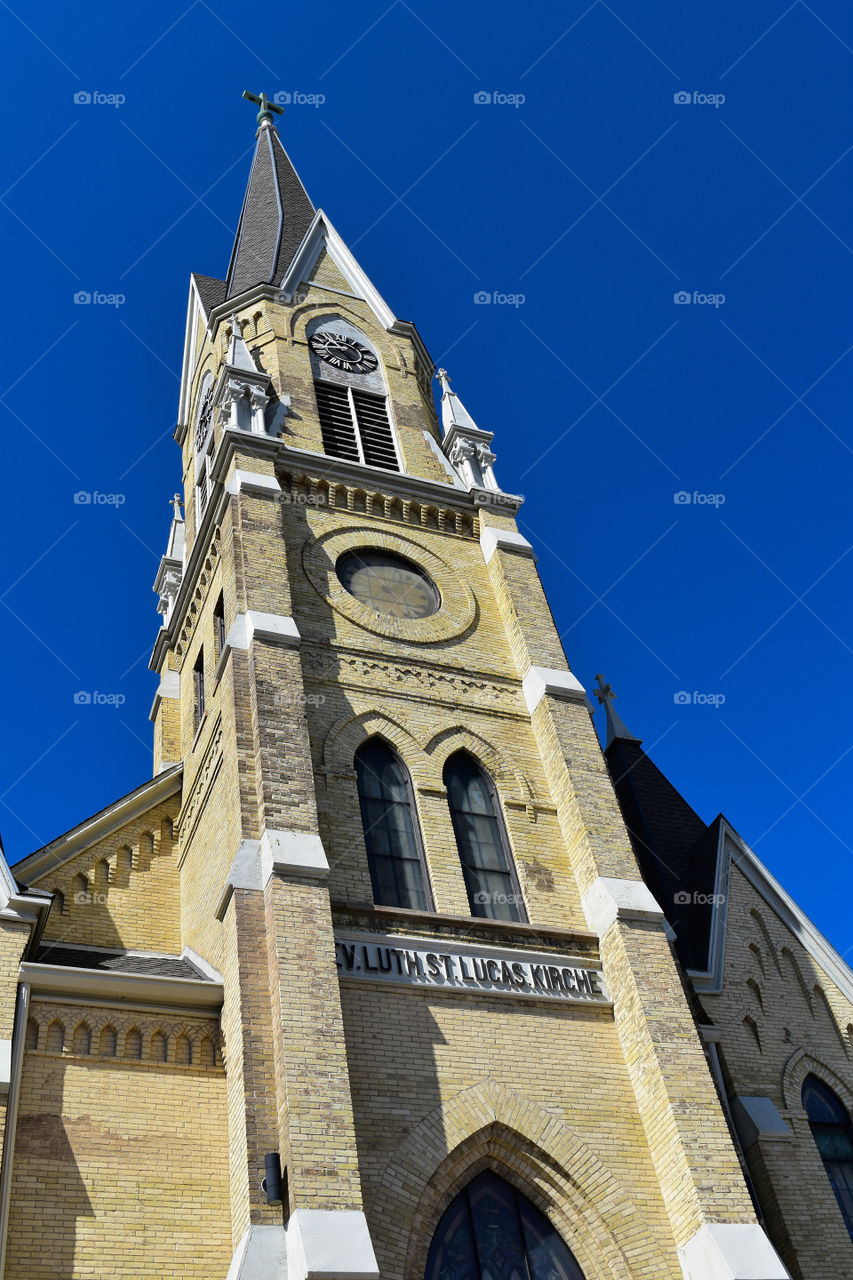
(391, 833)
(490, 878)
(491, 1232)
(833, 1132)
(352, 399)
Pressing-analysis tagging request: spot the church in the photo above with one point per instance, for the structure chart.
(389, 970)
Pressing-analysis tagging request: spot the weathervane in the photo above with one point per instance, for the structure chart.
(266, 107)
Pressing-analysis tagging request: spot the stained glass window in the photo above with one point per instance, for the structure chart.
(833, 1132)
(388, 583)
(493, 890)
(492, 1232)
(390, 828)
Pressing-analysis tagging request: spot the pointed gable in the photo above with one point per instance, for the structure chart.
(276, 214)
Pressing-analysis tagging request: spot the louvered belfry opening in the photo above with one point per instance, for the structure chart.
(356, 426)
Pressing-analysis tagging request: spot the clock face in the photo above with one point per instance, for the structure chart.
(343, 352)
(205, 416)
(388, 583)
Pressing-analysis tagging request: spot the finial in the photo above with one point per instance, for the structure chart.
(615, 728)
(176, 507)
(266, 107)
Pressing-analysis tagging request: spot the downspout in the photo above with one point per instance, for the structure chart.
(19, 1034)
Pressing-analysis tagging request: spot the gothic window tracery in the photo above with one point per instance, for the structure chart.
(391, 833)
(492, 1232)
(832, 1130)
(493, 889)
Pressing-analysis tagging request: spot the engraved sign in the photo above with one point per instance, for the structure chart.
(466, 968)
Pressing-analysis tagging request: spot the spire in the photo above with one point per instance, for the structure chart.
(615, 727)
(238, 352)
(276, 211)
(453, 411)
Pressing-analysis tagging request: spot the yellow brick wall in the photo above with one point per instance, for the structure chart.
(120, 1168)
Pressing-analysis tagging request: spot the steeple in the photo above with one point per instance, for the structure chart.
(615, 727)
(276, 214)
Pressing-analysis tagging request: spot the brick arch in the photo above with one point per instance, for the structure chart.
(802, 1064)
(345, 737)
(510, 781)
(302, 315)
(490, 1126)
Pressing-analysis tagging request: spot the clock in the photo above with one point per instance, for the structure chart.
(388, 583)
(205, 417)
(343, 352)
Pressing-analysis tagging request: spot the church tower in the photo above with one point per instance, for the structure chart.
(452, 1028)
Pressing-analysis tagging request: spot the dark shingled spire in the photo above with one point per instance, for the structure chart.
(676, 851)
(276, 214)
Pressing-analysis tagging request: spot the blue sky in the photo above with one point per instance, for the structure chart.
(582, 191)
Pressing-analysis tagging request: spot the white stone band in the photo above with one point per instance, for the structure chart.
(731, 1251)
(330, 1244)
(610, 899)
(260, 1255)
(559, 684)
(757, 1119)
(253, 482)
(492, 540)
(296, 853)
(275, 627)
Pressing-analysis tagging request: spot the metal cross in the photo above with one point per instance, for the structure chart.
(603, 692)
(266, 107)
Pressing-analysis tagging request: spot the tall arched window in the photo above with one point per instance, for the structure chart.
(391, 834)
(490, 879)
(833, 1132)
(491, 1232)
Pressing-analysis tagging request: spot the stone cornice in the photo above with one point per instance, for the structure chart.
(109, 986)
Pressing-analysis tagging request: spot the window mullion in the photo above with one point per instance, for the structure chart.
(356, 425)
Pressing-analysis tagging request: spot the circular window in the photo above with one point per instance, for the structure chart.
(388, 583)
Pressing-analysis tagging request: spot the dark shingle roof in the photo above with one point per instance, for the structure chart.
(211, 291)
(676, 851)
(119, 962)
(276, 214)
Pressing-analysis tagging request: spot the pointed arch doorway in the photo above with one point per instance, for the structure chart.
(492, 1232)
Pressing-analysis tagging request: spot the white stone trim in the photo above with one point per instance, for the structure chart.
(299, 853)
(200, 963)
(731, 1251)
(244, 873)
(757, 1119)
(559, 684)
(330, 1244)
(5, 1066)
(276, 627)
(610, 899)
(321, 233)
(115, 987)
(260, 1255)
(492, 540)
(254, 482)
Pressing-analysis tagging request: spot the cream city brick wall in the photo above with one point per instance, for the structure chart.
(122, 891)
(776, 1028)
(120, 1168)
